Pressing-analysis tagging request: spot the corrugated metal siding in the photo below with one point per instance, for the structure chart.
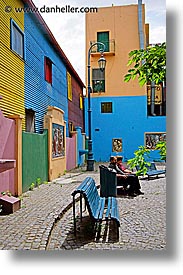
(75, 113)
(38, 93)
(11, 65)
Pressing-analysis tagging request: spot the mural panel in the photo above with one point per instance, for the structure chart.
(58, 142)
(117, 144)
(151, 139)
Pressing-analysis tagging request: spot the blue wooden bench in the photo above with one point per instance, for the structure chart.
(109, 183)
(98, 207)
(153, 171)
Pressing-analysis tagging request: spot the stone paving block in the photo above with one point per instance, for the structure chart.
(143, 220)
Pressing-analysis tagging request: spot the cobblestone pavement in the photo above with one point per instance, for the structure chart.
(45, 220)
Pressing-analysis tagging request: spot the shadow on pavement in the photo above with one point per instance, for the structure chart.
(90, 233)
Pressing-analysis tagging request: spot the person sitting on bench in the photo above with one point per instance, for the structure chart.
(122, 167)
(125, 177)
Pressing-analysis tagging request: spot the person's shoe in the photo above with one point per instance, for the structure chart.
(132, 194)
(139, 192)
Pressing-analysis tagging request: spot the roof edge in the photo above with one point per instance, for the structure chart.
(54, 41)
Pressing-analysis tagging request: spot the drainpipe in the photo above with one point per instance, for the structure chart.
(152, 98)
(140, 24)
(141, 39)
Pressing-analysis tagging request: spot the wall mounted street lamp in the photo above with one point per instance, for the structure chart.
(102, 64)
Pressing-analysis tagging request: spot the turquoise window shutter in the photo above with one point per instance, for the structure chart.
(103, 37)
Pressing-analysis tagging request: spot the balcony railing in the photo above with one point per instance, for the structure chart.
(109, 47)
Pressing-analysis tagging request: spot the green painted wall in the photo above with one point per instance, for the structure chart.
(34, 158)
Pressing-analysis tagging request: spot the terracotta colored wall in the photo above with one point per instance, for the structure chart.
(128, 120)
(122, 24)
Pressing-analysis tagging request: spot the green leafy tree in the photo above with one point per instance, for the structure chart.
(161, 146)
(142, 155)
(147, 64)
(140, 160)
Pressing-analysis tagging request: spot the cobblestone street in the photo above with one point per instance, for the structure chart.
(45, 220)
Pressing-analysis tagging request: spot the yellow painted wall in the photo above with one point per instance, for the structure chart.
(11, 65)
(56, 166)
(122, 24)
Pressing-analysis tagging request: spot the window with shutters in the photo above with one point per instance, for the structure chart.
(98, 80)
(104, 38)
(69, 86)
(48, 69)
(81, 102)
(17, 41)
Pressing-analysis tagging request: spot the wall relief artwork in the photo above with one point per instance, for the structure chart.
(58, 142)
(151, 139)
(117, 144)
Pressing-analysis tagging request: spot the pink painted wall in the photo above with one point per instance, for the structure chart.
(71, 152)
(7, 151)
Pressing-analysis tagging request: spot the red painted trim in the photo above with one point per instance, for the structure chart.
(48, 69)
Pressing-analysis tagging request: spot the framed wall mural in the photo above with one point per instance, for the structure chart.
(151, 139)
(58, 142)
(117, 144)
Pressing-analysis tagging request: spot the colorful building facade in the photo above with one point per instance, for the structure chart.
(35, 72)
(50, 79)
(120, 119)
(35, 77)
(12, 58)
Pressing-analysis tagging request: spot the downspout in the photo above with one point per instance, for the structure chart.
(140, 25)
(152, 98)
(141, 42)
(141, 39)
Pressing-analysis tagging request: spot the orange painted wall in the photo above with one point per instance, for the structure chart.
(122, 24)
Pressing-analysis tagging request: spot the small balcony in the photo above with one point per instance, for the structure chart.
(109, 47)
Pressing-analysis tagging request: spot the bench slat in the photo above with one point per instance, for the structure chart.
(152, 170)
(156, 172)
(92, 198)
(100, 209)
(114, 211)
(88, 184)
(108, 211)
(82, 186)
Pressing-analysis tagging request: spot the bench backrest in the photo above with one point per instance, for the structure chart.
(108, 182)
(152, 167)
(90, 193)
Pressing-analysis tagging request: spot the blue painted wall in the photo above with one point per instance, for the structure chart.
(39, 94)
(128, 121)
(80, 150)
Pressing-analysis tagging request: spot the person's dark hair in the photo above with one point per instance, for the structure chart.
(111, 158)
(119, 158)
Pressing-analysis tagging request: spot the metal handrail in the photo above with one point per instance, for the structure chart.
(109, 46)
